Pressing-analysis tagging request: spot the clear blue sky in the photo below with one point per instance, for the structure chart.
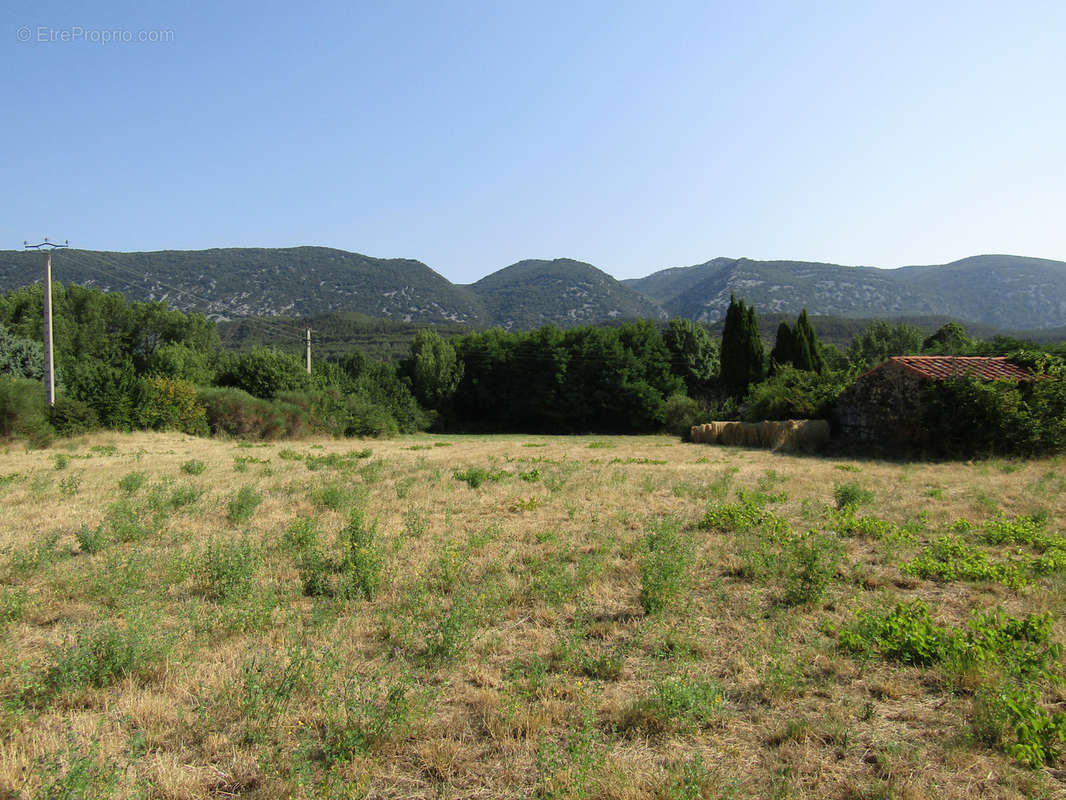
(635, 136)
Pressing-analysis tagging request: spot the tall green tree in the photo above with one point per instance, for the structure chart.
(880, 341)
(433, 368)
(743, 357)
(694, 355)
(20, 357)
(263, 372)
(784, 348)
(808, 352)
(950, 339)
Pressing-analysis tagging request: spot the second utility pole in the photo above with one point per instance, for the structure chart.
(308, 357)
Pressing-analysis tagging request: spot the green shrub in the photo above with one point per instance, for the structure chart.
(334, 496)
(349, 414)
(949, 558)
(809, 564)
(367, 715)
(415, 522)
(1014, 720)
(795, 394)
(363, 558)
(127, 523)
(963, 417)
(72, 417)
(112, 390)
(23, 411)
(850, 496)
(243, 505)
(1014, 658)
(263, 372)
(131, 482)
(1020, 530)
(665, 569)
(677, 703)
(91, 540)
(906, 634)
(184, 495)
(682, 412)
(301, 534)
(193, 467)
(12, 602)
(451, 627)
(171, 404)
(746, 515)
(475, 476)
(342, 462)
(100, 656)
(234, 412)
(315, 570)
(227, 568)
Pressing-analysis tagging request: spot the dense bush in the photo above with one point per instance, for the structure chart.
(171, 404)
(113, 392)
(72, 417)
(582, 379)
(234, 412)
(23, 411)
(20, 357)
(177, 360)
(965, 417)
(795, 394)
(682, 412)
(263, 372)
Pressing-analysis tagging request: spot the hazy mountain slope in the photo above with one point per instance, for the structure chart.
(667, 284)
(1001, 290)
(296, 281)
(1004, 291)
(1007, 292)
(564, 292)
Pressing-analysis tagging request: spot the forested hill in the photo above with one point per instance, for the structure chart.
(565, 292)
(1001, 291)
(234, 282)
(1010, 292)
(302, 282)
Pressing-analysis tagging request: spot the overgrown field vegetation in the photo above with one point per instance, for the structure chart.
(453, 617)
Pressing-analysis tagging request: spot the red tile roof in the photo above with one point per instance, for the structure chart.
(985, 368)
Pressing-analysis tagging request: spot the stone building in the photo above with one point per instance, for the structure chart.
(884, 405)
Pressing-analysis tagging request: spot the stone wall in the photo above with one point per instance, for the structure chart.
(883, 406)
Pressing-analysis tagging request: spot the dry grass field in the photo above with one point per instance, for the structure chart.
(511, 617)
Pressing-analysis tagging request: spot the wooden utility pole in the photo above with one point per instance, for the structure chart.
(308, 356)
(46, 247)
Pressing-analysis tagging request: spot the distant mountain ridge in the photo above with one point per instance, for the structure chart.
(1003, 291)
(1012, 292)
(565, 292)
(291, 281)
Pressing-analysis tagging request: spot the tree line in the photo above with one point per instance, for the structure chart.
(131, 365)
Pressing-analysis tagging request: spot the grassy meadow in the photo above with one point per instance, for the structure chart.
(511, 617)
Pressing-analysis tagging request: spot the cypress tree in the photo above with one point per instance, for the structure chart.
(742, 351)
(756, 356)
(808, 353)
(729, 372)
(784, 347)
